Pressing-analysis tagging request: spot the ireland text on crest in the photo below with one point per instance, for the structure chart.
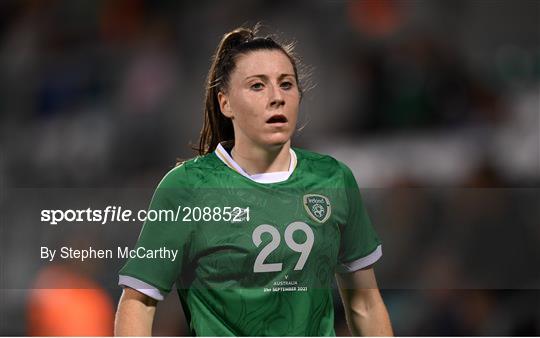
(318, 207)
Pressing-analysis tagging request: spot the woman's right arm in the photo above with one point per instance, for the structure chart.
(135, 314)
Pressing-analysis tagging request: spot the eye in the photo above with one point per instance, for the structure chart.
(286, 85)
(257, 86)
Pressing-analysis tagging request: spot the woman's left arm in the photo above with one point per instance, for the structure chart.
(364, 308)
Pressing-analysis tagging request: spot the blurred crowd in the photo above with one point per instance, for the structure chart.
(434, 105)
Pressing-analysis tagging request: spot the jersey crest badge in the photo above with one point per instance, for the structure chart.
(318, 207)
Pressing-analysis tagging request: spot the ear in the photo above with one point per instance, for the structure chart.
(225, 105)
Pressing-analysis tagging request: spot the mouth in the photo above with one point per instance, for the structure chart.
(277, 119)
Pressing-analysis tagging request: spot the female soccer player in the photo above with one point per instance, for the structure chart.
(263, 228)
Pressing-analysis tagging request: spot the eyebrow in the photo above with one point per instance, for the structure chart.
(265, 77)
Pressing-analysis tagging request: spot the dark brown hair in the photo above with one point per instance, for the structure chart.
(216, 126)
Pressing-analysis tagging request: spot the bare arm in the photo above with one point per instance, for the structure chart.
(135, 314)
(364, 308)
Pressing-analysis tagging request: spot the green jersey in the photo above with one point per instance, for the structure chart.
(253, 255)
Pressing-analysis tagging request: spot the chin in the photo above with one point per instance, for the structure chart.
(278, 139)
(276, 142)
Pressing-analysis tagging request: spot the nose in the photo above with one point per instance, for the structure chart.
(276, 98)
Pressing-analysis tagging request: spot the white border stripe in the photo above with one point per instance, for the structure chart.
(361, 262)
(274, 177)
(142, 287)
(228, 160)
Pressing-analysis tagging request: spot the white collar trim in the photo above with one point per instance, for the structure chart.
(273, 177)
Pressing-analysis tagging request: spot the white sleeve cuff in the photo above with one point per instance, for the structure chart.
(142, 287)
(361, 262)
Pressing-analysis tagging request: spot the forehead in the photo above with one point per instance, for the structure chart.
(265, 62)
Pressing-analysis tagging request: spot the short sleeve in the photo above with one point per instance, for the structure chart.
(360, 246)
(157, 257)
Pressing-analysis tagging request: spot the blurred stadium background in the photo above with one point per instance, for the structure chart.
(434, 105)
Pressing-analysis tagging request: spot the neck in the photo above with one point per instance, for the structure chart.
(258, 160)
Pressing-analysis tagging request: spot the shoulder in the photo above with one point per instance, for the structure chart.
(325, 167)
(321, 161)
(189, 172)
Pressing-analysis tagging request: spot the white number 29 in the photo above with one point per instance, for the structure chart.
(303, 248)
